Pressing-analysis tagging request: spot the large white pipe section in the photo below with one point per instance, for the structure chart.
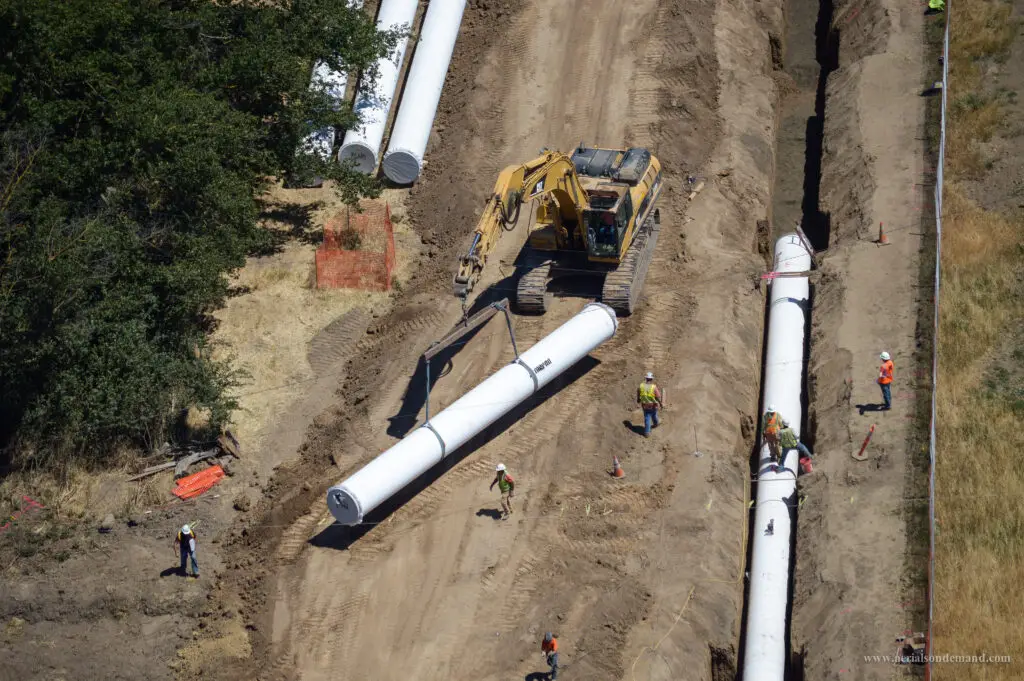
(380, 479)
(765, 649)
(404, 160)
(321, 142)
(362, 144)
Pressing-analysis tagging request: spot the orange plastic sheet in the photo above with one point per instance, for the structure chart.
(197, 483)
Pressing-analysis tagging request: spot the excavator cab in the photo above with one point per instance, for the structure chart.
(607, 220)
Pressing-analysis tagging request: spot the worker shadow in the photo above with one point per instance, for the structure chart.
(171, 572)
(341, 537)
(863, 408)
(492, 513)
(635, 428)
(537, 676)
(415, 396)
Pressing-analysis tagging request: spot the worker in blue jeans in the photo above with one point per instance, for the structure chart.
(186, 543)
(649, 398)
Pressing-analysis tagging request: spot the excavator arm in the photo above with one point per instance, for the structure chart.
(551, 177)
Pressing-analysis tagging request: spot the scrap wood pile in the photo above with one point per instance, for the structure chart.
(216, 455)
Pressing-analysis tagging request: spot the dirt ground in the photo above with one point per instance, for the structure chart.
(640, 577)
(858, 573)
(636, 576)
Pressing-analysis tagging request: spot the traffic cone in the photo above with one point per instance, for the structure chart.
(883, 240)
(617, 468)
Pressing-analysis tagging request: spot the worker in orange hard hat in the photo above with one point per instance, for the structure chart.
(507, 487)
(885, 379)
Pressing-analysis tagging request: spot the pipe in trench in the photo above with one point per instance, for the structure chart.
(768, 595)
(379, 480)
(362, 144)
(404, 159)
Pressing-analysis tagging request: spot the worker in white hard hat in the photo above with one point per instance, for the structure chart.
(507, 487)
(649, 398)
(772, 424)
(185, 542)
(885, 379)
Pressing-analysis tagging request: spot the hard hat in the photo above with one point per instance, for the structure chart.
(649, 376)
(771, 407)
(548, 636)
(185, 529)
(884, 356)
(500, 467)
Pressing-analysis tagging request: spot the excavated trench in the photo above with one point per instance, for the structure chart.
(807, 54)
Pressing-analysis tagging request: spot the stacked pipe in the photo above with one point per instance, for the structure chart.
(404, 160)
(426, 446)
(361, 145)
(334, 83)
(765, 649)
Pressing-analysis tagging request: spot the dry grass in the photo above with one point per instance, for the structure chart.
(267, 329)
(980, 483)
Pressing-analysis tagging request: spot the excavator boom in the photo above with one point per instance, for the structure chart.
(551, 176)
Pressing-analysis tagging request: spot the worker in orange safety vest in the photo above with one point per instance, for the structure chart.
(885, 379)
(772, 424)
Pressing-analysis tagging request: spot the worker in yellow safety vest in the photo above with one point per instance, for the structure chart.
(507, 487)
(649, 398)
(772, 424)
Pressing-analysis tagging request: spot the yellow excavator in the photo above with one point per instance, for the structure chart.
(595, 214)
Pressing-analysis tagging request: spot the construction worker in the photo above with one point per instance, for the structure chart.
(549, 648)
(771, 424)
(788, 440)
(507, 487)
(186, 544)
(885, 379)
(649, 398)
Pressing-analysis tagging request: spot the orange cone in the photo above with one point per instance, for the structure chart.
(617, 468)
(883, 240)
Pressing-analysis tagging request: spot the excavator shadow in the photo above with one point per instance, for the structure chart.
(341, 537)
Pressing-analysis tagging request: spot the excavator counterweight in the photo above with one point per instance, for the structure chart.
(596, 207)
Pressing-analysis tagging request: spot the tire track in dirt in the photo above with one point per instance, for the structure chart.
(334, 344)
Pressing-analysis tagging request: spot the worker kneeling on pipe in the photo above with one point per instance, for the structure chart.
(787, 441)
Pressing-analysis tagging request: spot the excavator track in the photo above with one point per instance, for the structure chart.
(532, 295)
(623, 285)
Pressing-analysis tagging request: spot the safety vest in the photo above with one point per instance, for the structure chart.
(787, 438)
(549, 647)
(647, 395)
(772, 423)
(505, 483)
(183, 540)
(886, 371)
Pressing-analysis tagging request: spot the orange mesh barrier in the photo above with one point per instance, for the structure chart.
(358, 250)
(197, 483)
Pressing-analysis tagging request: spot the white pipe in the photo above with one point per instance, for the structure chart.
(321, 142)
(404, 160)
(362, 144)
(765, 649)
(426, 446)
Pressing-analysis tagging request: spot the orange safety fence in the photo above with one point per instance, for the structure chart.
(197, 483)
(358, 250)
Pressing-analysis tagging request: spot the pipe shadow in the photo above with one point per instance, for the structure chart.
(340, 537)
(416, 391)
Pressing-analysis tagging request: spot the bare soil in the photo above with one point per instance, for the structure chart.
(860, 557)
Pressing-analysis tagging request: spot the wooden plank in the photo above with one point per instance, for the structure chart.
(153, 469)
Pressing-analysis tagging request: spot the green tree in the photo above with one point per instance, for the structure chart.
(138, 135)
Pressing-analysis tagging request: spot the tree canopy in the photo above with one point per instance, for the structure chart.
(137, 137)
